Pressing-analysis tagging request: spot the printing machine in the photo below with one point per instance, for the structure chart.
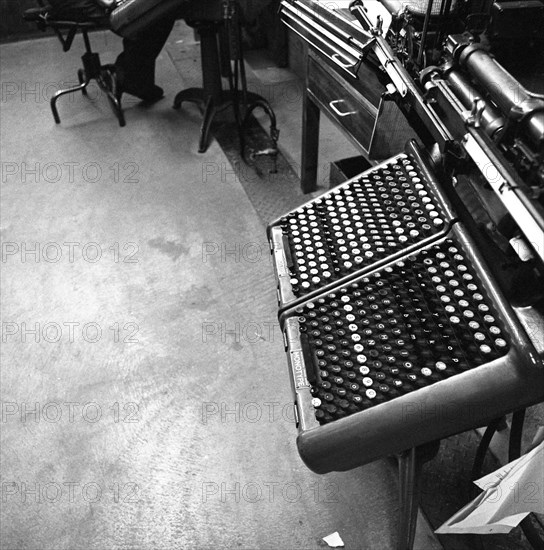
(417, 286)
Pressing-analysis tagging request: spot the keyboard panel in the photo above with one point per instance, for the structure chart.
(409, 325)
(386, 211)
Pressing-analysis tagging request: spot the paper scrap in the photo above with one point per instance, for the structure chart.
(510, 494)
(334, 540)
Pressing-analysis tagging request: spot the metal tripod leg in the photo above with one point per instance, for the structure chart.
(208, 105)
(192, 95)
(209, 114)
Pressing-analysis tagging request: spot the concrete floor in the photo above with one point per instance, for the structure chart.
(151, 408)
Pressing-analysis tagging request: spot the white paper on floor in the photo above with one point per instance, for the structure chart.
(510, 494)
(334, 540)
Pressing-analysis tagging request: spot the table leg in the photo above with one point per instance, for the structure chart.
(310, 144)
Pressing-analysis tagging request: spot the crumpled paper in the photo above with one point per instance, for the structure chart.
(510, 494)
(334, 540)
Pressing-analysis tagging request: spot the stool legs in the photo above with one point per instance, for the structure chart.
(81, 78)
(108, 84)
(105, 78)
(60, 93)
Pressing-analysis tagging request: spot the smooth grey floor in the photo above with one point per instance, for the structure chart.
(152, 408)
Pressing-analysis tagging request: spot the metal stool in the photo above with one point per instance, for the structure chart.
(92, 69)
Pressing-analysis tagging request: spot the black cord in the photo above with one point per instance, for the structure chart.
(516, 432)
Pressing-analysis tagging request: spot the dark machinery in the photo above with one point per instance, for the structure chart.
(415, 291)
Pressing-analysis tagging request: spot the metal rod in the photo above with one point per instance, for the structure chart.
(491, 118)
(445, 8)
(482, 448)
(424, 34)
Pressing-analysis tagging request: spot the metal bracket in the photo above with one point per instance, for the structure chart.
(475, 117)
(357, 8)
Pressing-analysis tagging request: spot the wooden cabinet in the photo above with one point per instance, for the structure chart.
(353, 98)
(348, 108)
(350, 100)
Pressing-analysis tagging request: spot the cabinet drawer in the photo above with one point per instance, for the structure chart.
(365, 82)
(347, 107)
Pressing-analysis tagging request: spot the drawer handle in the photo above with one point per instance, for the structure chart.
(337, 59)
(333, 106)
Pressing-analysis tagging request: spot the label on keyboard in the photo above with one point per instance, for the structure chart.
(299, 370)
(281, 268)
(279, 254)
